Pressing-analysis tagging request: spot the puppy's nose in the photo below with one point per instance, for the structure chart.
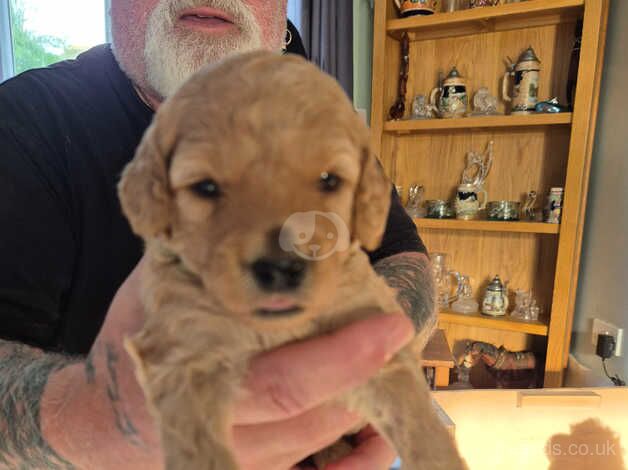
(279, 274)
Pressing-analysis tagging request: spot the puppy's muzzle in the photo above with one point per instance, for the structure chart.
(279, 274)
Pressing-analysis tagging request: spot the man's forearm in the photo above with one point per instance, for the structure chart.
(62, 413)
(24, 373)
(411, 274)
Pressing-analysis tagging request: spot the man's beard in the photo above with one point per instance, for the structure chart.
(174, 53)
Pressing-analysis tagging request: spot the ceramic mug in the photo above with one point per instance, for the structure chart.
(468, 202)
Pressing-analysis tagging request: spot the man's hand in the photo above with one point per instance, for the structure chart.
(284, 413)
(94, 414)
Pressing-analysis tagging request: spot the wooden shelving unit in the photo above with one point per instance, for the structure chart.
(480, 122)
(505, 323)
(533, 152)
(487, 226)
(511, 16)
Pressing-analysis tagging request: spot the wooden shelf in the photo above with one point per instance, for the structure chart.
(488, 226)
(528, 14)
(478, 122)
(505, 323)
(532, 152)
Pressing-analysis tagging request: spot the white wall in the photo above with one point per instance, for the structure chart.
(603, 284)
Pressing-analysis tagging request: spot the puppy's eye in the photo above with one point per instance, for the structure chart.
(208, 189)
(329, 182)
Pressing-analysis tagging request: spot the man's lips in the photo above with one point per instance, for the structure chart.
(204, 18)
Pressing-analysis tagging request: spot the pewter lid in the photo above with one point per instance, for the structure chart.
(529, 56)
(454, 73)
(496, 284)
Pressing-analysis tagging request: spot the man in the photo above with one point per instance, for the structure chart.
(66, 132)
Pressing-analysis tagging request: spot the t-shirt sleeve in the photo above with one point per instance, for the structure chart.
(36, 244)
(400, 235)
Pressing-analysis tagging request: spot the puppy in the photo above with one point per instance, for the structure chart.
(256, 193)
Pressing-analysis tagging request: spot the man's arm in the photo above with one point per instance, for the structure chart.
(411, 274)
(24, 373)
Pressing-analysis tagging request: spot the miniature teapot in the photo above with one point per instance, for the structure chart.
(453, 100)
(495, 301)
(416, 7)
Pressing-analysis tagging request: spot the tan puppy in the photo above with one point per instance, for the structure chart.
(222, 189)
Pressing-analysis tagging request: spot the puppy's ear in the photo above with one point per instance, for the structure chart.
(371, 204)
(144, 188)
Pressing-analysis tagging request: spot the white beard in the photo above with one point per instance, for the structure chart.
(173, 54)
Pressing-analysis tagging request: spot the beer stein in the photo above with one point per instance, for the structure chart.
(452, 98)
(495, 301)
(468, 202)
(525, 88)
(416, 7)
(442, 280)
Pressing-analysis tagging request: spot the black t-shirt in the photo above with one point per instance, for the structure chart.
(66, 133)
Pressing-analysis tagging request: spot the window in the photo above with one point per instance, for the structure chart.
(37, 33)
(294, 13)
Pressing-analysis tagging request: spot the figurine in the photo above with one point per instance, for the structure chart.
(478, 166)
(484, 104)
(526, 308)
(421, 109)
(414, 206)
(453, 100)
(465, 302)
(528, 210)
(526, 82)
(550, 106)
(397, 109)
(511, 369)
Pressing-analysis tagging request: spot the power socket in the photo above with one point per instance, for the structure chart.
(600, 327)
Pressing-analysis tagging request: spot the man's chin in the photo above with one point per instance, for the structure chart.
(169, 66)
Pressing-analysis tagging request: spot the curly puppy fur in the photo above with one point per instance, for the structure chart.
(262, 128)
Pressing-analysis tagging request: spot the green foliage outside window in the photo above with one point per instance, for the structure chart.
(31, 50)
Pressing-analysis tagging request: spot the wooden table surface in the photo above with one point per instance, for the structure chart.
(437, 354)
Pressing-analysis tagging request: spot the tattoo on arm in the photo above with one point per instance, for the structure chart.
(122, 419)
(90, 370)
(24, 373)
(411, 275)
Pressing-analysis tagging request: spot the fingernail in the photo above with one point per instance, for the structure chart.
(400, 332)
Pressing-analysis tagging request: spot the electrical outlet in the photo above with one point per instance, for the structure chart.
(602, 327)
